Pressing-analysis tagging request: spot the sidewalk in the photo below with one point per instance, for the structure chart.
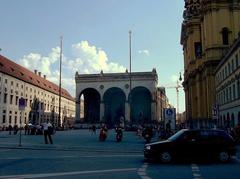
(74, 140)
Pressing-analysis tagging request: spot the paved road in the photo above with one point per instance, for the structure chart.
(79, 154)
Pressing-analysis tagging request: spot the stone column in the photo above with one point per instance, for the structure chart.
(153, 111)
(127, 111)
(77, 113)
(102, 109)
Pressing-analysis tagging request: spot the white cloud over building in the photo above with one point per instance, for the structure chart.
(85, 59)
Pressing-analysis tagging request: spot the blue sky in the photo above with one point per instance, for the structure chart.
(95, 37)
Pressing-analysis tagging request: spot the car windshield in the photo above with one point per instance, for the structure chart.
(176, 136)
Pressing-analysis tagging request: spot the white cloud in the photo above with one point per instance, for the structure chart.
(86, 59)
(90, 59)
(43, 64)
(145, 51)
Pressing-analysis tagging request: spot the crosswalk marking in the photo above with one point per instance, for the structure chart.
(196, 172)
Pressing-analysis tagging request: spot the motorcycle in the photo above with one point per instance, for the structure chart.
(148, 138)
(102, 135)
(147, 134)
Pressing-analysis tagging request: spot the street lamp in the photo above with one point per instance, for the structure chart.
(180, 76)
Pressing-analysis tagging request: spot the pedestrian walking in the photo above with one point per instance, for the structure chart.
(26, 129)
(10, 128)
(47, 128)
(93, 129)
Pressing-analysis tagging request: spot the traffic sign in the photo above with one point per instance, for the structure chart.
(170, 115)
(21, 104)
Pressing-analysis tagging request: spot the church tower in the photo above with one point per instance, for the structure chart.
(208, 30)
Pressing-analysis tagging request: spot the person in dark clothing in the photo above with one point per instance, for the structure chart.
(26, 129)
(10, 128)
(93, 129)
(15, 129)
(168, 129)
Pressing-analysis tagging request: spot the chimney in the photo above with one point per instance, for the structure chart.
(44, 76)
(35, 71)
(39, 73)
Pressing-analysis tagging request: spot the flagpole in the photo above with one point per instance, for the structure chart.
(60, 82)
(130, 73)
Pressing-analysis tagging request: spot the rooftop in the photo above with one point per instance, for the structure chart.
(17, 71)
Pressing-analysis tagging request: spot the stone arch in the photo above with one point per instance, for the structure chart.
(91, 109)
(140, 105)
(114, 105)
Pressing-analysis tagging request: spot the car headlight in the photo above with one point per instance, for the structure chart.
(148, 147)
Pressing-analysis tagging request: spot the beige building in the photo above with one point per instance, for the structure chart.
(119, 97)
(41, 97)
(162, 102)
(208, 30)
(227, 82)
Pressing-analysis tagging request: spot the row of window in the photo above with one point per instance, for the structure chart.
(10, 117)
(229, 93)
(41, 105)
(229, 120)
(16, 120)
(26, 88)
(229, 68)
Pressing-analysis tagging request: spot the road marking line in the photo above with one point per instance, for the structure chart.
(196, 172)
(41, 175)
(79, 156)
(136, 155)
(142, 171)
(145, 177)
(5, 150)
(144, 166)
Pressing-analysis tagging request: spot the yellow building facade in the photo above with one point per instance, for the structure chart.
(208, 30)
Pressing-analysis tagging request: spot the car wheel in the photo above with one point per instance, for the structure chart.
(165, 157)
(223, 156)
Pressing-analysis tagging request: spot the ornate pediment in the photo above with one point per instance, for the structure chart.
(192, 9)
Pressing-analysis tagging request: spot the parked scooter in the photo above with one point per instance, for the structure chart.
(119, 134)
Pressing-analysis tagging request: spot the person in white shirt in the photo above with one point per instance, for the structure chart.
(47, 127)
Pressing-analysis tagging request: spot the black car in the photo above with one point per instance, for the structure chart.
(191, 144)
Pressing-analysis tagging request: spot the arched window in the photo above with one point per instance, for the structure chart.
(225, 37)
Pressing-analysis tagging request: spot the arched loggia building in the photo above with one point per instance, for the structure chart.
(91, 107)
(107, 96)
(114, 100)
(140, 101)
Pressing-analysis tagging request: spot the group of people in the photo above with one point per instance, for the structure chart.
(103, 132)
(46, 129)
(14, 129)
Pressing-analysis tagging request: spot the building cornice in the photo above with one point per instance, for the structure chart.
(108, 77)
